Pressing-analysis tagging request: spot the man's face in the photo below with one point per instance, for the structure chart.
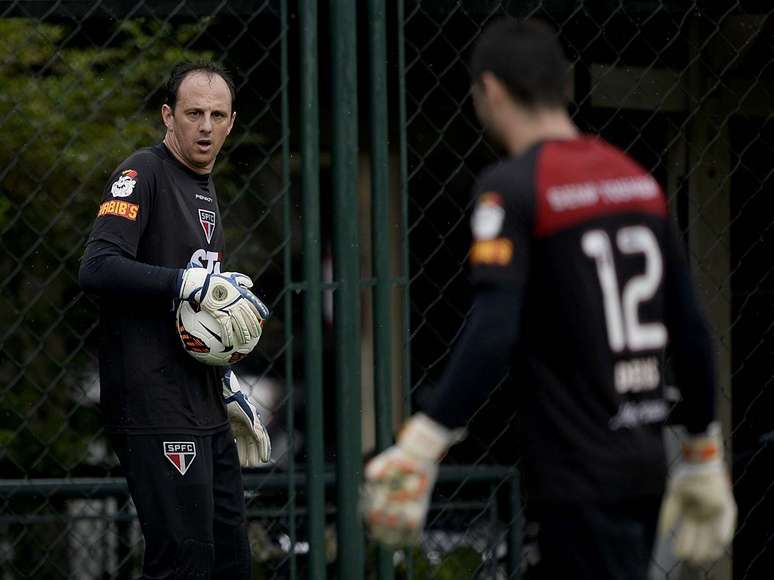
(201, 120)
(480, 104)
(490, 99)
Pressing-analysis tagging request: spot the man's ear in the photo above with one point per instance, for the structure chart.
(167, 115)
(231, 124)
(493, 88)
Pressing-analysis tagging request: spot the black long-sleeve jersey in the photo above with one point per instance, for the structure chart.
(156, 217)
(580, 282)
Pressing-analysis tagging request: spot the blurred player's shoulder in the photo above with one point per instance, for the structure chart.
(583, 158)
(512, 177)
(585, 179)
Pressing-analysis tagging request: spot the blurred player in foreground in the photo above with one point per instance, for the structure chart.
(580, 282)
(158, 238)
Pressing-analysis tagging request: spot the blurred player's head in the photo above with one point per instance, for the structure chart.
(519, 76)
(198, 113)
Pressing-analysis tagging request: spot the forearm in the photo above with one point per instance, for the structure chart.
(105, 270)
(694, 367)
(480, 359)
(693, 358)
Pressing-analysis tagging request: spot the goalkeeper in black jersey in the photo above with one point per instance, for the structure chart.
(157, 239)
(580, 284)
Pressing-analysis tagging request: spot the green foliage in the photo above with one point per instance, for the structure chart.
(460, 562)
(68, 114)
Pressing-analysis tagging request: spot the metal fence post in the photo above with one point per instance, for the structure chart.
(405, 230)
(346, 264)
(313, 341)
(709, 190)
(380, 164)
(404, 209)
(287, 299)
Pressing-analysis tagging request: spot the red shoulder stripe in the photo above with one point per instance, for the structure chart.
(586, 178)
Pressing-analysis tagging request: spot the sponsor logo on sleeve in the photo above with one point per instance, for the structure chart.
(497, 252)
(124, 185)
(122, 209)
(181, 454)
(207, 219)
(488, 217)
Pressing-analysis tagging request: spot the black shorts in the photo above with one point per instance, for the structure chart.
(592, 540)
(190, 502)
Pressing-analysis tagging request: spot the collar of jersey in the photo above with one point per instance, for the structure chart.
(201, 177)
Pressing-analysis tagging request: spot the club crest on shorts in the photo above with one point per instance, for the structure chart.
(181, 454)
(207, 219)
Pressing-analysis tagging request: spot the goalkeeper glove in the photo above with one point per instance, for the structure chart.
(400, 481)
(227, 298)
(252, 439)
(699, 500)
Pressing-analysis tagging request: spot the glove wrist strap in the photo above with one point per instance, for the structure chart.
(705, 447)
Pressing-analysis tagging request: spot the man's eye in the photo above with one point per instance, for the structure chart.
(193, 114)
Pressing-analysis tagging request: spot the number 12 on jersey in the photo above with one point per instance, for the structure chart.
(624, 328)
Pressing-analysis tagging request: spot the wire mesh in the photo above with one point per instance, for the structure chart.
(683, 88)
(81, 90)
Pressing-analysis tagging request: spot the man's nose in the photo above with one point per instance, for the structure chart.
(206, 124)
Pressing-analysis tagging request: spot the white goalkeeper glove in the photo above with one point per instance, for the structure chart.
(252, 439)
(400, 480)
(227, 298)
(699, 500)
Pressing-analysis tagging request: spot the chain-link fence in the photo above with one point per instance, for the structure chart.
(81, 90)
(684, 87)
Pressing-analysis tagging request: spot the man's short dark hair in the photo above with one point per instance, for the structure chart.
(527, 58)
(183, 69)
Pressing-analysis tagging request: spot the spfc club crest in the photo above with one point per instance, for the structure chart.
(207, 219)
(181, 454)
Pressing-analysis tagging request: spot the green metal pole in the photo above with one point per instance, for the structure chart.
(381, 241)
(313, 340)
(404, 209)
(380, 165)
(346, 271)
(287, 257)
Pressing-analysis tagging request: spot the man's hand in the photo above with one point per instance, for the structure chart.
(252, 439)
(226, 297)
(699, 500)
(400, 481)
